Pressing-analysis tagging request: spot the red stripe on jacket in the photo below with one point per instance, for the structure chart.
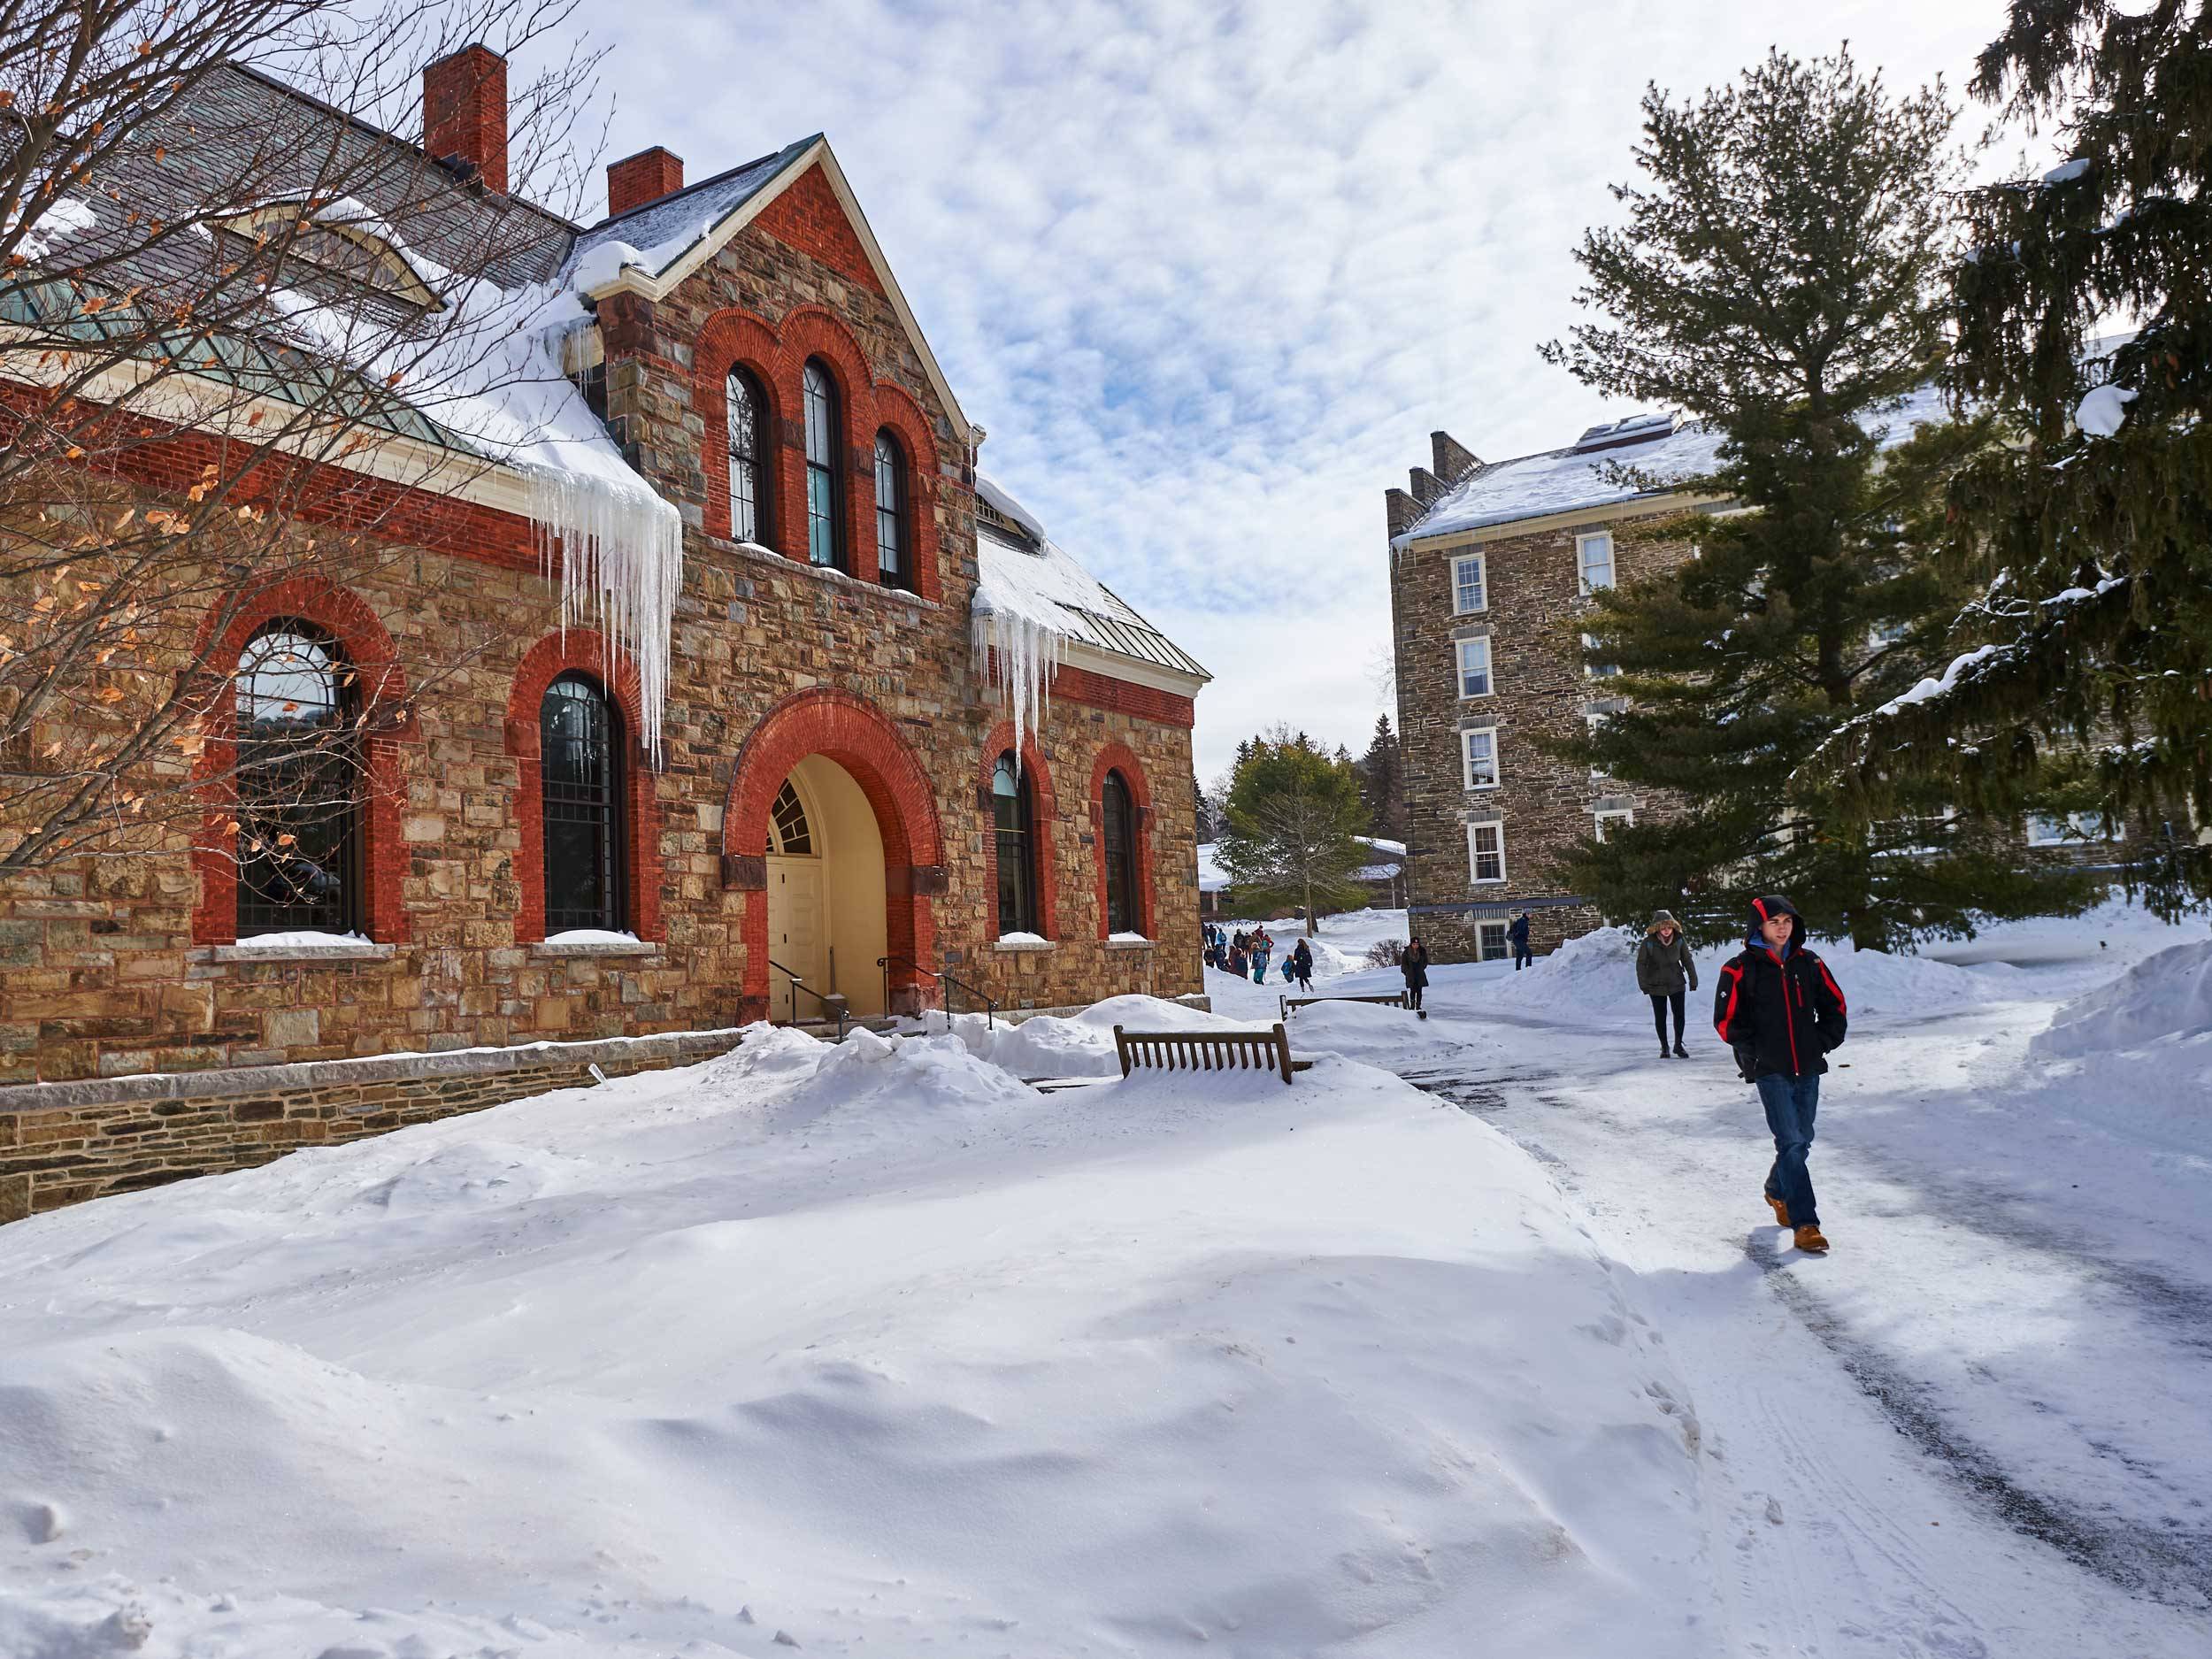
(1735, 985)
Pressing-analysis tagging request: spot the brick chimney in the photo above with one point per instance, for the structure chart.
(645, 177)
(464, 112)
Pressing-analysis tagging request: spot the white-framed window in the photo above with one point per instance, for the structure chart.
(1621, 815)
(1485, 853)
(1597, 671)
(1470, 584)
(1474, 659)
(1492, 935)
(1595, 719)
(1478, 753)
(1594, 554)
(2045, 830)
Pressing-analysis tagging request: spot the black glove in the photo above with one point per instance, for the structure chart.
(1746, 1065)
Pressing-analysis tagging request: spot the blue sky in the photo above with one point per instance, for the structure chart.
(1210, 275)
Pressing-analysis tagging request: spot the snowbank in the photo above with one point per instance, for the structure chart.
(825, 1346)
(1595, 976)
(2164, 998)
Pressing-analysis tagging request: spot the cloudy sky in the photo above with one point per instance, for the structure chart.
(1210, 274)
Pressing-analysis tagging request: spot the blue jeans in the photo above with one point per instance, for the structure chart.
(1790, 1102)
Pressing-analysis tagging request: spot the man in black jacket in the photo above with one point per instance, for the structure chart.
(1781, 1010)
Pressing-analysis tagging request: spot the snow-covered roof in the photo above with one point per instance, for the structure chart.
(658, 233)
(1584, 474)
(1046, 586)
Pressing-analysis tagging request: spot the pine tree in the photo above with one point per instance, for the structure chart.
(1382, 781)
(1292, 815)
(2087, 661)
(1778, 276)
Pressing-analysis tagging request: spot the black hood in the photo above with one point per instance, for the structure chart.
(1775, 904)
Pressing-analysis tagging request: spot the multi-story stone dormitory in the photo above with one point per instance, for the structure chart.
(843, 792)
(1487, 559)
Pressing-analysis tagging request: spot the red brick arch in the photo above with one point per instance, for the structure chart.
(778, 358)
(1045, 812)
(582, 651)
(859, 737)
(1119, 758)
(732, 339)
(348, 620)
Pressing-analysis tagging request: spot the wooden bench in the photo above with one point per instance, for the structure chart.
(1292, 1005)
(1207, 1051)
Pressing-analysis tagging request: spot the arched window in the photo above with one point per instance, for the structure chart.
(793, 838)
(1014, 821)
(891, 537)
(579, 759)
(1118, 847)
(299, 784)
(750, 471)
(824, 544)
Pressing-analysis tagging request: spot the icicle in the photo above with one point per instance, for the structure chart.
(1027, 654)
(620, 550)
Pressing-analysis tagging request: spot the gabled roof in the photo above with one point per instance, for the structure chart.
(1585, 475)
(1040, 580)
(651, 248)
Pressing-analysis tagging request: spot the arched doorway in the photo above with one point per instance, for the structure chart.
(872, 823)
(826, 893)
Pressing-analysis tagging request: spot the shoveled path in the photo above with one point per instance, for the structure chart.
(1975, 1428)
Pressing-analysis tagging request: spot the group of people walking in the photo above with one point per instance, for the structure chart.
(1247, 956)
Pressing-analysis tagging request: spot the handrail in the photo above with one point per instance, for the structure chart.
(836, 1009)
(990, 1004)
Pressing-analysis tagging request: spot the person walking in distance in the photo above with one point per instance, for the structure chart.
(1778, 1006)
(1523, 957)
(1299, 965)
(1414, 965)
(1665, 972)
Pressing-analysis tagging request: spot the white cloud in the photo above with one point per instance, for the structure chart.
(1210, 274)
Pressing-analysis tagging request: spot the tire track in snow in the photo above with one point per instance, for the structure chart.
(2172, 1568)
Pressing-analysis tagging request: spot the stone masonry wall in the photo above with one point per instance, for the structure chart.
(123, 967)
(1545, 804)
(62, 1143)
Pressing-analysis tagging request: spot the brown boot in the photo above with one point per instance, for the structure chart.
(1781, 1210)
(1808, 1239)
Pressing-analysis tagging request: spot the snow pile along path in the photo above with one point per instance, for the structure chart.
(865, 1349)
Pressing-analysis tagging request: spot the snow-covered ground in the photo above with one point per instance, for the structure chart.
(874, 1349)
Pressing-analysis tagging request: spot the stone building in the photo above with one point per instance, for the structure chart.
(1486, 561)
(825, 785)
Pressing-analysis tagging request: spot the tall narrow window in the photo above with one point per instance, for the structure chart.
(891, 537)
(581, 763)
(1596, 553)
(822, 516)
(749, 469)
(1118, 813)
(1485, 852)
(1480, 749)
(1012, 820)
(299, 784)
(1474, 666)
(1470, 589)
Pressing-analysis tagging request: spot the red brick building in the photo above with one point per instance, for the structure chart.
(810, 778)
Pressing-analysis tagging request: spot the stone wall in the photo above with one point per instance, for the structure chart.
(1543, 803)
(62, 1143)
(122, 966)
